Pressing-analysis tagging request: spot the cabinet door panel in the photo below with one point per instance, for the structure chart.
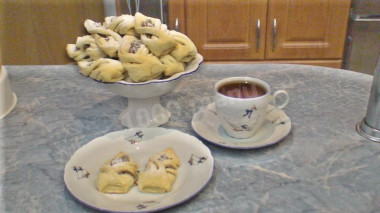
(36, 32)
(227, 30)
(306, 29)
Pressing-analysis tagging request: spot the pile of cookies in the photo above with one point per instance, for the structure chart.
(131, 48)
(119, 174)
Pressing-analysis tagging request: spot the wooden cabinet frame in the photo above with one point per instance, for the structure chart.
(305, 33)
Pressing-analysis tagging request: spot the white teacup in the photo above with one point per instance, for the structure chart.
(242, 102)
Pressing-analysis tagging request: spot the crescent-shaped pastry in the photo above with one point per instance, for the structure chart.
(97, 28)
(124, 24)
(117, 175)
(139, 63)
(108, 44)
(159, 41)
(185, 50)
(95, 52)
(132, 45)
(103, 69)
(160, 172)
(172, 66)
(88, 45)
(76, 53)
(143, 22)
(154, 34)
(154, 179)
(85, 48)
(168, 158)
(106, 39)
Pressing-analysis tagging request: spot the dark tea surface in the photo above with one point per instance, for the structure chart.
(242, 90)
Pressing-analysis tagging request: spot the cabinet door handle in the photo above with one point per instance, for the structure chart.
(366, 18)
(274, 34)
(176, 25)
(258, 35)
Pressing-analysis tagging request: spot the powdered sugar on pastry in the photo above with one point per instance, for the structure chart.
(160, 172)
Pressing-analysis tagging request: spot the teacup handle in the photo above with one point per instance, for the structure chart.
(280, 92)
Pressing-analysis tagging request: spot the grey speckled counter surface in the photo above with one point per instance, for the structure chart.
(322, 166)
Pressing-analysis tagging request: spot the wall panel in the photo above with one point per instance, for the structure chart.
(37, 31)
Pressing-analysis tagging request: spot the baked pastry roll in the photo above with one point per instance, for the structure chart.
(108, 44)
(90, 47)
(106, 39)
(160, 172)
(80, 50)
(158, 41)
(117, 175)
(185, 49)
(168, 158)
(154, 179)
(76, 53)
(143, 22)
(139, 63)
(103, 69)
(154, 35)
(172, 66)
(124, 24)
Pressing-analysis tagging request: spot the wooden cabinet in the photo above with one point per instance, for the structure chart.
(306, 29)
(36, 32)
(227, 30)
(298, 31)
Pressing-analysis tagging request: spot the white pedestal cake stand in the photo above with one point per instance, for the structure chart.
(144, 107)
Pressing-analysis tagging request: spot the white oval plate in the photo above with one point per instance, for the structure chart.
(196, 168)
(276, 126)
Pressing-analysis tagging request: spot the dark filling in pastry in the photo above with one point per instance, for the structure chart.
(156, 164)
(170, 167)
(147, 23)
(125, 172)
(163, 157)
(86, 46)
(135, 45)
(103, 36)
(123, 158)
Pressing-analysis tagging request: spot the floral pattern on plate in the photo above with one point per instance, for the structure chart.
(140, 143)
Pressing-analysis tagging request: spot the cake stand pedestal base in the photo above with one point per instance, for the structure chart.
(144, 112)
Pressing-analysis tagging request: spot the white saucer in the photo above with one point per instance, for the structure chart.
(276, 126)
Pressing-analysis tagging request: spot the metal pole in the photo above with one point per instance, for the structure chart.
(109, 8)
(369, 127)
(162, 11)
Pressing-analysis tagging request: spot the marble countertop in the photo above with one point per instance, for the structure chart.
(323, 165)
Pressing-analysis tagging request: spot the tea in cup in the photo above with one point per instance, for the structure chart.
(242, 102)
